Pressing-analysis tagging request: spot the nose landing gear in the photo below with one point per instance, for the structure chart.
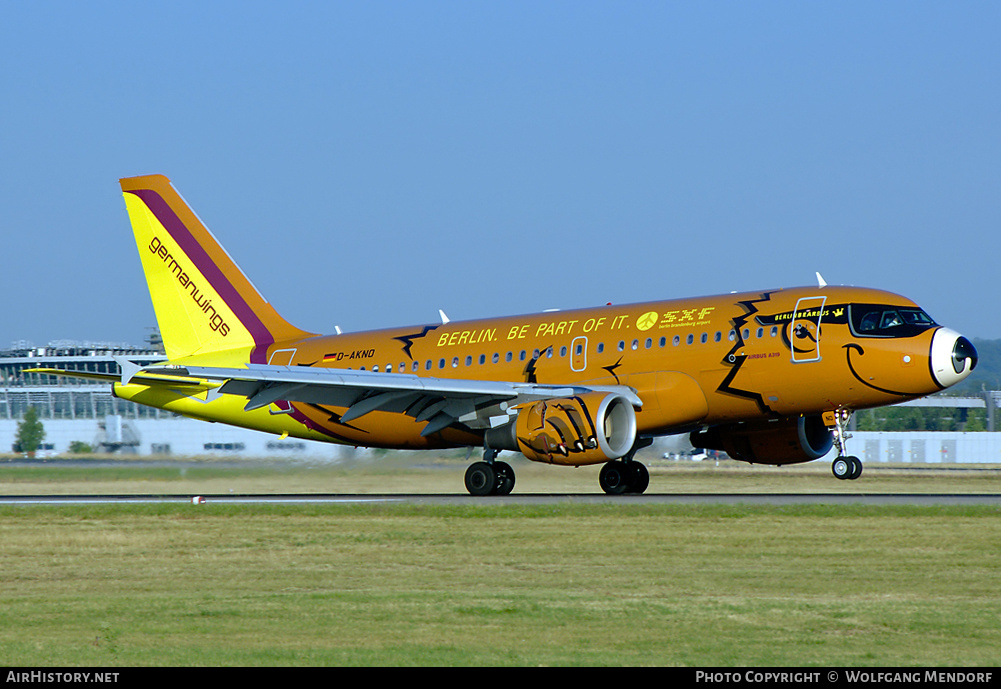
(847, 468)
(844, 467)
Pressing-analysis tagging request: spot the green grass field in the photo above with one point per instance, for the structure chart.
(566, 584)
(431, 473)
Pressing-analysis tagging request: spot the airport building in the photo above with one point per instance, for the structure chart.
(74, 410)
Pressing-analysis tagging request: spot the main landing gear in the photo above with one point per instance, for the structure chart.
(626, 475)
(489, 477)
(844, 467)
(619, 477)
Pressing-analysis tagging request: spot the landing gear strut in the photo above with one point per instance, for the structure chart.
(844, 467)
(489, 477)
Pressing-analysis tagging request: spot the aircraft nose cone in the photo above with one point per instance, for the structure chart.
(953, 357)
(963, 351)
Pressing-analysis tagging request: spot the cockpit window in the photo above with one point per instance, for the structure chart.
(877, 320)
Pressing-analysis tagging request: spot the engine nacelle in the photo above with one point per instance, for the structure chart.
(584, 429)
(784, 441)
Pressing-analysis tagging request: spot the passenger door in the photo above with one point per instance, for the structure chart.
(804, 330)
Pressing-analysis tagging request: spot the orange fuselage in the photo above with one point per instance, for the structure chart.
(705, 360)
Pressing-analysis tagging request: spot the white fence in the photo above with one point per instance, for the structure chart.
(187, 437)
(925, 447)
(176, 436)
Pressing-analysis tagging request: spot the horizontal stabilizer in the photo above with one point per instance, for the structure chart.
(140, 378)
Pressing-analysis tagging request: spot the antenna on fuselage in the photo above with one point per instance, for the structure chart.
(444, 318)
(821, 282)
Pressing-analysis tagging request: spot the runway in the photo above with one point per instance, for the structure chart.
(925, 499)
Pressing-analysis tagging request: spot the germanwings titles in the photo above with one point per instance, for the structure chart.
(769, 377)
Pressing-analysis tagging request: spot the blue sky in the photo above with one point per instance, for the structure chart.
(368, 163)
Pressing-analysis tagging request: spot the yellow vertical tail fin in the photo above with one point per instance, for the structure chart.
(204, 303)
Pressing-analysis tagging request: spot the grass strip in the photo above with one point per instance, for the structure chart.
(559, 584)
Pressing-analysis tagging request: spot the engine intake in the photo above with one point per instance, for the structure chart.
(584, 429)
(785, 441)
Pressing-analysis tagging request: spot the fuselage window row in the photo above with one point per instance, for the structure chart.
(579, 350)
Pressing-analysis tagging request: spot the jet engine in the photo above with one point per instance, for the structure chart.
(782, 441)
(584, 429)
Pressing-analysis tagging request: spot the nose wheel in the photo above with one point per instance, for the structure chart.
(845, 467)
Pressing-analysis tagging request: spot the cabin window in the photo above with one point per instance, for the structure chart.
(775, 330)
(441, 363)
(469, 361)
(761, 333)
(521, 357)
(416, 366)
(427, 366)
(676, 341)
(622, 345)
(733, 335)
(601, 347)
(496, 357)
(704, 338)
(508, 357)
(563, 351)
(649, 342)
(718, 336)
(375, 368)
(483, 359)
(455, 362)
(549, 352)
(578, 349)
(636, 344)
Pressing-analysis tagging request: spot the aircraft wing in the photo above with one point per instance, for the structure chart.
(479, 404)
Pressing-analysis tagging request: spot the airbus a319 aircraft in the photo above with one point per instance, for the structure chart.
(769, 377)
